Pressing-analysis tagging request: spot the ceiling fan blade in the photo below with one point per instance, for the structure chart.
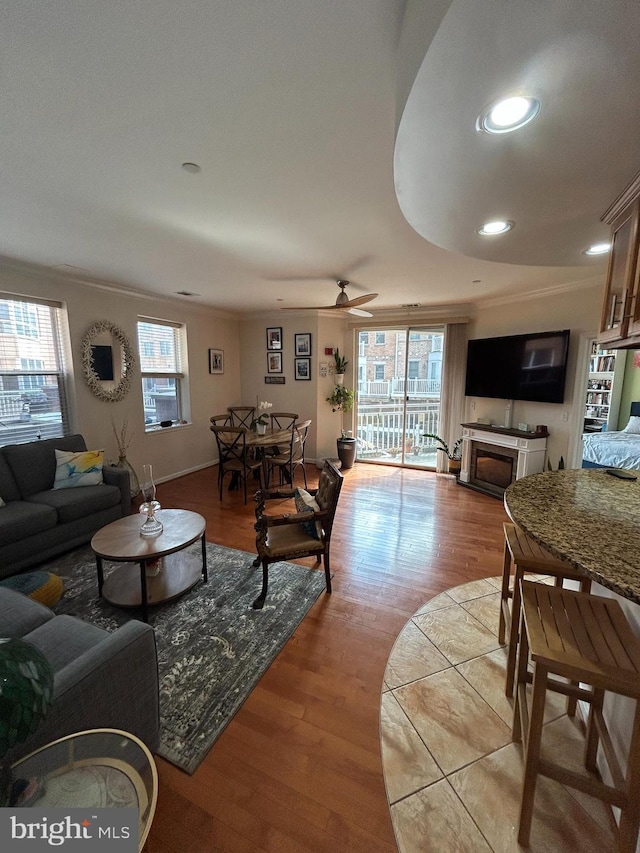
(343, 303)
(311, 308)
(359, 300)
(359, 312)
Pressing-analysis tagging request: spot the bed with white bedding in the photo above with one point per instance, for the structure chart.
(614, 449)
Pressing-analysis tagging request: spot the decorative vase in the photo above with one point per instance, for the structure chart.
(454, 467)
(261, 429)
(339, 378)
(134, 485)
(346, 451)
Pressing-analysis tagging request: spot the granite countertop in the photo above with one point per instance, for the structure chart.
(587, 517)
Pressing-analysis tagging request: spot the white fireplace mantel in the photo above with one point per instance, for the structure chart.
(531, 448)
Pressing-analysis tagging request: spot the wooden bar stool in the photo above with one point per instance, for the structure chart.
(526, 555)
(586, 639)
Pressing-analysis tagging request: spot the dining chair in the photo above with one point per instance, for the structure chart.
(283, 420)
(242, 416)
(288, 460)
(233, 456)
(221, 420)
(305, 533)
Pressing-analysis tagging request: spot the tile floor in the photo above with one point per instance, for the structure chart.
(452, 774)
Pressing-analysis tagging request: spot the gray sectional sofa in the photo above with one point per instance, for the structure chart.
(101, 679)
(39, 522)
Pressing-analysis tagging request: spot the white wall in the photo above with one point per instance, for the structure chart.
(578, 310)
(305, 397)
(171, 451)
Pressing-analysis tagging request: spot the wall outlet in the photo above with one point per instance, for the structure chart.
(564, 416)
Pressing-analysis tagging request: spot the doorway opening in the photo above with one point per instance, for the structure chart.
(399, 380)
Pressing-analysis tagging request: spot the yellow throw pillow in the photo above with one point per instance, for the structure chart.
(83, 468)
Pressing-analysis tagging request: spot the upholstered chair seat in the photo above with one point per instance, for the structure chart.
(305, 532)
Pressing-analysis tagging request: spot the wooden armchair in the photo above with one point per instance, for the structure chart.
(287, 536)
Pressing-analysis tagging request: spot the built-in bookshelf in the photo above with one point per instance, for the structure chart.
(603, 389)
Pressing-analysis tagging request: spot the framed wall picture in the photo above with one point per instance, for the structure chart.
(303, 345)
(216, 361)
(274, 338)
(274, 362)
(274, 380)
(302, 368)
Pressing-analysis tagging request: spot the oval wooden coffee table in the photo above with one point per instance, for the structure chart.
(121, 542)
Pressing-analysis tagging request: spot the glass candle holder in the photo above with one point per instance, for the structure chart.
(151, 525)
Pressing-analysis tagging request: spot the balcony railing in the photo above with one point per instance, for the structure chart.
(384, 434)
(399, 387)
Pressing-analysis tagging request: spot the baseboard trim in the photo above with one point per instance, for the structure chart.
(184, 473)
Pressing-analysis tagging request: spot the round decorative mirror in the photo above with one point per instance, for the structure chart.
(107, 361)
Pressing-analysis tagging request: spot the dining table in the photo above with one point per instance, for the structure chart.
(271, 438)
(586, 516)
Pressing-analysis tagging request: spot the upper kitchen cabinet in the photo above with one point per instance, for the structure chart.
(620, 324)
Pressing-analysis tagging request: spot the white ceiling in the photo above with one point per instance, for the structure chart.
(291, 108)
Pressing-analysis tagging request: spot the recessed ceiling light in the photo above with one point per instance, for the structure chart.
(498, 226)
(597, 249)
(508, 114)
(192, 168)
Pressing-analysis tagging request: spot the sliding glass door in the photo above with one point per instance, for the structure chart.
(398, 395)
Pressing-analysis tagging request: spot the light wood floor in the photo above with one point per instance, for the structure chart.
(299, 768)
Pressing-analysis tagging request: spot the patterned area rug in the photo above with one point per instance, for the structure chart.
(212, 646)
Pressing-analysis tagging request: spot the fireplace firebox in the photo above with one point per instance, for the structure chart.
(492, 468)
(493, 457)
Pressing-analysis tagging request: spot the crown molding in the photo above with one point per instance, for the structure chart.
(42, 273)
(529, 296)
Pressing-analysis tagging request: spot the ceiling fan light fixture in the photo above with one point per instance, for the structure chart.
(508, 114)
(597, 249)
(497, 226)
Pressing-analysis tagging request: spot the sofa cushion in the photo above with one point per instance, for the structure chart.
(21, 519)
(81, 468)
(19, 615)
(33, 464)
(65, 638)
(72, 504)
(8, 486)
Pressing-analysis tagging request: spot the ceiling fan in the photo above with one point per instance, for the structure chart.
(343, 303)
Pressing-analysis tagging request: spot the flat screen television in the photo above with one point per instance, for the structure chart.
(519, 367)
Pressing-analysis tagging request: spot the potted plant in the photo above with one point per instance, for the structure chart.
(454, 455)
(341, 400)
(340, 366)
(261, 420)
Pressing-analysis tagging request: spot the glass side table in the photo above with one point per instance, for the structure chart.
(99, 768)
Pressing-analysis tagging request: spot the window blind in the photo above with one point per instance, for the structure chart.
(33, 397)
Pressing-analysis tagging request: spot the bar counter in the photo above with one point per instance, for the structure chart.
(587, 517)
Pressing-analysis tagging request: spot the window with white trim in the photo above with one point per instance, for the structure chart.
(33, 378)
(164, 385)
